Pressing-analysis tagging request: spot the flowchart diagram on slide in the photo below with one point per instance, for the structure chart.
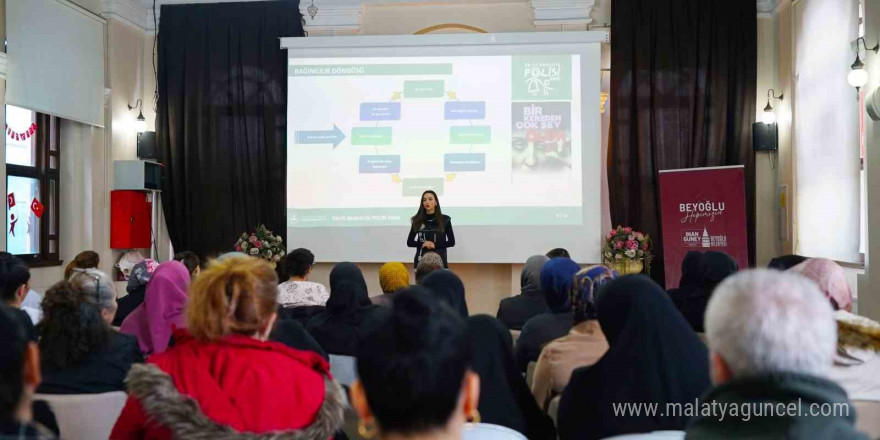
(372, 132)
(524, 119)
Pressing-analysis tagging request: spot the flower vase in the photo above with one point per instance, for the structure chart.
(626, 266)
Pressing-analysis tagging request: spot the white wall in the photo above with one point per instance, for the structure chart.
(767, 244)
(827, 130)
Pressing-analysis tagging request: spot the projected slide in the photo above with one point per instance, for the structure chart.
(497, 137)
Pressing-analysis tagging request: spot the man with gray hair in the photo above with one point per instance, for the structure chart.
(772, 336)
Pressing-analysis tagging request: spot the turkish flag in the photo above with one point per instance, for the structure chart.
(37, 207)
(10, 199)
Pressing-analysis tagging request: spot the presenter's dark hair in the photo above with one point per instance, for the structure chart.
(558, 252)
(298, 262)
(419, 219)
(413, 364)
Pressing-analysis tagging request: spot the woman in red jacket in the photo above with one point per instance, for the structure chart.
(223, 379)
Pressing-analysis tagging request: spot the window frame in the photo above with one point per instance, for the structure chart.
(43, 174)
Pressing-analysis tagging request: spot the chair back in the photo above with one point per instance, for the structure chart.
(85, 416)
(868, 417)
(343, 369)
(487, 431)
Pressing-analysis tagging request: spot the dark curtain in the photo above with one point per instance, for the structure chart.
(683, 76)
(221, 120)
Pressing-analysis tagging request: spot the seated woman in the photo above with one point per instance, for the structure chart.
(349, 314)
(583, 345)
(515, 311)
(653, 358)
(857, 360)
(162, 311)
(298, 291)
(447, 287)
(136, 288)
(414, 377)
(556, 280)
(506, 400)
(392, 277)
(79, 351)
(223, 378)
(713, 268)
(82, 260)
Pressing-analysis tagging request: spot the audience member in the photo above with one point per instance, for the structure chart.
(857, 359)
(516, 310)
(298, 291)
(584, 345)
(447, 287)
(349, 314)
(830, 279)
(225, 378)
(414, 378)
(19, 378)
(557, 253)
(714, 267)
(80, 352)
(556, 280)
(430, 262)
(153, 322)
(14, 285)
(506, 400)
(136, 288)
(653, 358)
(392, 277)
(292, 334)
(690, 278)
(191, 261)
(772, 338)
(83, 260)
(786, 262)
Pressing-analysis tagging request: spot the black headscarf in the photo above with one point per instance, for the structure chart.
(557, 277)
(349, 313)
(448, 287)
(714, 267)
(786, 262)
(653, 357)
(530, 277)
(690, 278)
(505, 398)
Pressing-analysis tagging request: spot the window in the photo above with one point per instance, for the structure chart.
(33, 158)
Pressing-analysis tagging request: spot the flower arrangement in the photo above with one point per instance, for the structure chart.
(263, 244)
(624, 246)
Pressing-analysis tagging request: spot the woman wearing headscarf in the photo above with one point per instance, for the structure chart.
(786, 262)
(653, 357)
(713, 268)
(504, 396)
(349, 313)
(857, 360)
(162, 310)
(584, 345)
(393, 276)
(136, 288)
(515, 311)
(556, 279)
(447, 287)
(690, 277)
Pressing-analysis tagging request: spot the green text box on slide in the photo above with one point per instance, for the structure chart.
(370, 69)
(466, 134)
(371, 136)
(414, 187)
(470, 216)
(424, 89)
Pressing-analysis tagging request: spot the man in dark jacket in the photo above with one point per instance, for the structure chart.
(772, 336)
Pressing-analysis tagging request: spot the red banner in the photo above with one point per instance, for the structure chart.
(702, 209)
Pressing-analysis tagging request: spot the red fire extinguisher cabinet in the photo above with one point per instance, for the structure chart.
(131, 214)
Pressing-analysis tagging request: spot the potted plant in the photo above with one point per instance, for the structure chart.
(627, 251)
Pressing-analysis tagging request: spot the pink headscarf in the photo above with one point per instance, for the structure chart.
(830, 278)
(162, 309)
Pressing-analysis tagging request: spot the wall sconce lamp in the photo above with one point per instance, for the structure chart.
(141, 123)
(769, 117)
(858, 76)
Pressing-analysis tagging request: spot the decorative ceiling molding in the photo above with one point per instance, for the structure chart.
(132, 12)
(765, 6)
(562, 12)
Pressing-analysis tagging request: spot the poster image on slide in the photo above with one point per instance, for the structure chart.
(541, 138)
